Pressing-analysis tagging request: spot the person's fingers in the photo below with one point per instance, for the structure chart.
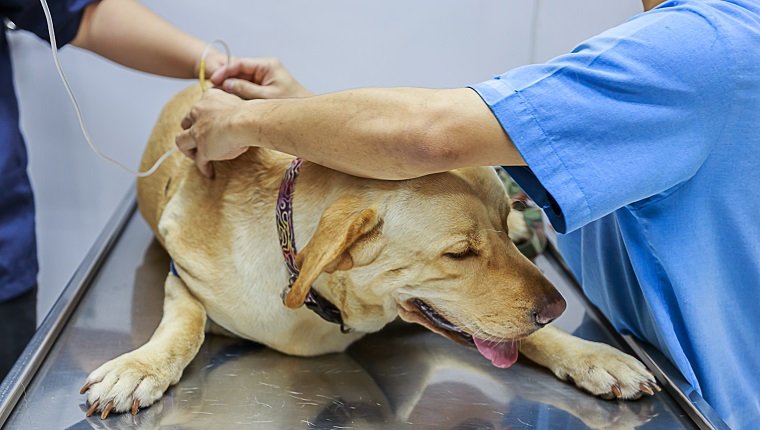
(186, 143)
(234, 153)
(236, 68)
(250, 69)
(204, 165)
(188, 120)
(213, 62)
(219, 75)
(246, 90)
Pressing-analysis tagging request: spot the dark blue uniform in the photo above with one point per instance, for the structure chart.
(18, 250)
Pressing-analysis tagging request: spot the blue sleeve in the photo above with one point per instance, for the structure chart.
(66, 14)
(629, 114)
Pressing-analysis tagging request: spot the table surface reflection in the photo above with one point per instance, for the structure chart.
(403, 377)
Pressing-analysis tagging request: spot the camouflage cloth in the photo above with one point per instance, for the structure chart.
(532, 214)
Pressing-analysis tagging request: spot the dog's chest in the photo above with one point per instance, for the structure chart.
(243, 294)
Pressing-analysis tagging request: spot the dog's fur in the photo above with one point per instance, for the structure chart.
(368, 246)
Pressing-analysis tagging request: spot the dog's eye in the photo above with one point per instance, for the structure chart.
(467, 253)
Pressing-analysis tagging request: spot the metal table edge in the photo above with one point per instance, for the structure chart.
(25, 369)
(23, 372)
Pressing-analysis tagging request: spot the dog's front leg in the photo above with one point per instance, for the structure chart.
(596, 367)
(138, 378)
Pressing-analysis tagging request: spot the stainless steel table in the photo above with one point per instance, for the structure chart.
(403, 377)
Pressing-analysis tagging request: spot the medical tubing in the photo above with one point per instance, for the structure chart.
(204, 54)
(57, 61)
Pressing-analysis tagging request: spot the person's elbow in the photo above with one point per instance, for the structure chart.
(459, 130)
(436, 139)
(421, 153)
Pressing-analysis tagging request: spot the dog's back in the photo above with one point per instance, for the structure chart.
(154, 191)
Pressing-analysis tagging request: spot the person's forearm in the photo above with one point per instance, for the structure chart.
(126, 32)
(383, 133)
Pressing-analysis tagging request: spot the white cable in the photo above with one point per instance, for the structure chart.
(57, 61)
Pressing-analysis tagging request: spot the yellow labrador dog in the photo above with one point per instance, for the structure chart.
(433, 250)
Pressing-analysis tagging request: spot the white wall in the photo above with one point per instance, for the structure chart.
(328, 44)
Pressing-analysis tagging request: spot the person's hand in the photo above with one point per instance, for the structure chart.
(208, 130)
(258, 78)
(214, 61)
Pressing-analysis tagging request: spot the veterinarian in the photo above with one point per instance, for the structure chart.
(642, 146)
(120, 30)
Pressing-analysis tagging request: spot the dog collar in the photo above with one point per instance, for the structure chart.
(284, 215)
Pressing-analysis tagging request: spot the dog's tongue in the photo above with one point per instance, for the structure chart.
(501, 354)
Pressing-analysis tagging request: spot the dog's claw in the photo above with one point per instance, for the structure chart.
(135, 406)
(92, 409)
(646, 389)
(655, 386)
(107, 410)
(85, 387)
(617, 391)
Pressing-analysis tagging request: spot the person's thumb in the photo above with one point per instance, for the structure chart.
(245, 89)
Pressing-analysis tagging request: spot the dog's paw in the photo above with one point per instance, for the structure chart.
(607, 372)
(127, 383)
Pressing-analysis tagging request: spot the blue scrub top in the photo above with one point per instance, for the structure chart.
(18, 251)
(643, 147)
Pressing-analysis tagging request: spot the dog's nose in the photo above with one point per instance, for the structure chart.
(549, 312)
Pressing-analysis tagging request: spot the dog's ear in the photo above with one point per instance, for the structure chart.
(340, 227)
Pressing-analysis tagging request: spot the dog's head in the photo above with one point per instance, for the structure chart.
(436, 251)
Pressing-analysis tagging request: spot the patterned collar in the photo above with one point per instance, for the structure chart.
(314, 301)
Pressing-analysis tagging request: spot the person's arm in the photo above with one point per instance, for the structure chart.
(395, 133)
(126, 32)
